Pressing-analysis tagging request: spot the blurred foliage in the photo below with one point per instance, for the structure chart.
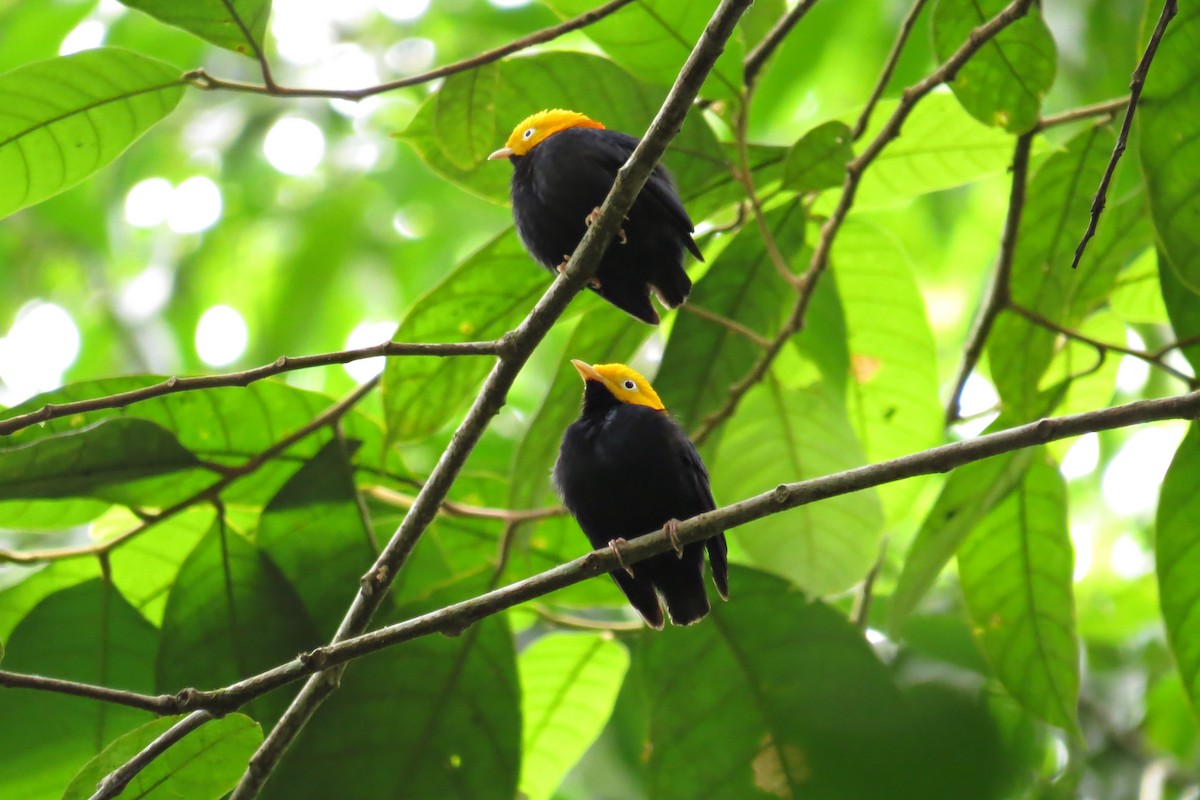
(1021, 639)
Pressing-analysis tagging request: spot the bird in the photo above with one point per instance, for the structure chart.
(625, 467)
(564, 164)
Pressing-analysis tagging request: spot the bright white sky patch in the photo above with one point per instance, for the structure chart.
(221, 336)
(1129, 559)
(87, 35)
(1083, 540)
(294, 146)
(144, 295)
(147, 203)
(365, 335)
(403, 10)
(1083, 457)
(978, 396)
(195, 205)
(509, 3)
(410, 56)
(1134, 477)
(42, 343)
(1133, 372)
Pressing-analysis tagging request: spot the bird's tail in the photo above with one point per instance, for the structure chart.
(672, 286)
(686, 604)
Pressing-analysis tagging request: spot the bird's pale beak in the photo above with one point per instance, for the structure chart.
(503, 152)
(586, 372)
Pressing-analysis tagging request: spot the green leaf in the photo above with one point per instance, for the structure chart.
(237, 25)
(1004, 83)
(892, 394)
(1169, 144)
(818, 159)
(1183, 307)
(737, 709)
(1015, 569)
(87, 633)
(91, 461)
(1178, 569)
(473, 113)
(704, 358)
(230, 614)
(434, 717)
(653, 38)
(22, 592)
(144, 568)
(790, 434)
(483, 298)
(569, 682)
(65, 118)
(204, 765)
(600, 337)
(1137, 295)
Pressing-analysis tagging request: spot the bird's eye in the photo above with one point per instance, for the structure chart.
(629, 385)
(528, 133)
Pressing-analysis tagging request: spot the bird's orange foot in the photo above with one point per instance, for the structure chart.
(595, 215)
(592, 282)
(671, 529)
(615, 546)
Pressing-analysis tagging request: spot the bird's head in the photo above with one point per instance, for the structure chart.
(535, 128)
(623, 383)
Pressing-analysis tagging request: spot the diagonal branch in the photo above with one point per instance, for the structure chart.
(202, 80)
(522, 341)
(889, 66)
(770, 43)
(115, 782)
(245, 378)
(1170, 8)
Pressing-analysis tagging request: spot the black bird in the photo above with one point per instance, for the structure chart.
(627, 469)
(563, 167)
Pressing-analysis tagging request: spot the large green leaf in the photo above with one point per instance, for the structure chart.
(237, 25)
(144, 568)
(87, 633)
(1015, 569)
(1169, 145)
(789, 434)
(22, 592)
(1004, 82)
(652, 39)
(435, 717)
(1175, 557)
(1183, 308)
(704, 358)
(65, 118)
(204, 765)
(569, 683)
(483, 298)
(473, 113)
(230, 615)
(818, 159)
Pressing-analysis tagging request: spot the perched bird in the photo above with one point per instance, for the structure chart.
(625, 467)
(563, 167)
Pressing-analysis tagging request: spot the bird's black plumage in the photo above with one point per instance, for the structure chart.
(560, 181)
(624, 470)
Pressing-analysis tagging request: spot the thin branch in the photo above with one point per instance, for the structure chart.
(1170, 9)
(203, 80)
(259, 54)
(454, 508)
(163, 704)
(861, 615)
(116, 781)
(998, 291)
(764, 49)
(889, 66)
(1107, 108)
(583, 623)
(245, 378)
(211, 492)
(522, 341)
(455, 618)
(854, 172)
(725, 322)
(1154, 358)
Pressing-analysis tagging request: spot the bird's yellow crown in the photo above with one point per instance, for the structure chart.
(626, 384)
(536, 127)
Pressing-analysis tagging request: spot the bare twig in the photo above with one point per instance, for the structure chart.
(583, 263)
(745, 176)
(763, 50)
(1170, 8)
(203, 80)
(998, 291)
(889, 66)
(162, 704)
(456, 509)
(211, 492)
(725, 322)
(116, 781)
(861, 615)
(256, 49)
(854, 173)
(1107, 108)
(244, 378)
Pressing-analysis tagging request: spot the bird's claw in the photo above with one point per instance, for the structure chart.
(615, 546)
(591, 218)
(593, 283)
(671, 529)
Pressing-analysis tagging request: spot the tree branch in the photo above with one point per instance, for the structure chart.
(245, 378)
(1170, 8)
(997, 294)
(764, 49)
(116, 781)
(202, 80)
(583, 263)
(163, 704)
(1108, 107)
(889, 66)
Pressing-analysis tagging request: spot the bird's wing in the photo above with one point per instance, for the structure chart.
(696, 475)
